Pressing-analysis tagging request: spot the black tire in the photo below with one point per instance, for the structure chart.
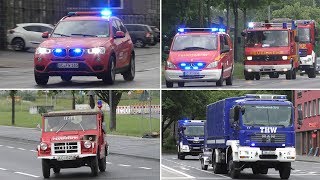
(94, 166)
(289, 75)
(312, 73)
(248, 76)
(56, 170)
(274, 75)
(257, 76)
(255, 170)
(129, 75)
(18, 44)
(41, 80)
(66, 78)
(110, 75)
(46, 168)
(285, 170)
(294, 74)
(180, 84)
(232, 171)
(229, 80)
(102, 164)
(139, 43)
(220, 81)
(169, 84)
(203, 167)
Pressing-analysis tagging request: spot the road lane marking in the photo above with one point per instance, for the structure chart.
(33, 150)
(124, 165)
(3, 169)
(184, 168)
(21, 149)
(10, 147)
(108, 162)
(178, 172)
(1, 145)
(26, 174)
(312, 172)
(144, 168)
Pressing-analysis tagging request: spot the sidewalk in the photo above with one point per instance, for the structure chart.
(124, 145)
(308, 158)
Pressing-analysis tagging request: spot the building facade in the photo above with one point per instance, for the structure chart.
(307, 134)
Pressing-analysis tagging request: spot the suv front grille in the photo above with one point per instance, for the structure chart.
(66, 148)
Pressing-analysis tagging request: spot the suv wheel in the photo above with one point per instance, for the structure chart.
(111, 73)
(139, 43)
(66, 78)
(169, 84)
(46, 168)
(129, 75)
(18, 44)
(41, 79)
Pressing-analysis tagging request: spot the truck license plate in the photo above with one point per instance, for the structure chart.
(196, 147)
(65, 158)
(268, 152)
(68, 65)
(191, 73)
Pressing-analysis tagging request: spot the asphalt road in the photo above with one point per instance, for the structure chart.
(16, 71)
(18, 160)
(172, 168)
(302, 82)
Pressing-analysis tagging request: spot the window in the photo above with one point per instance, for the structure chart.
(115, 27)
(32, 28)
(314, 107)
(122, 28)
(45, 29)
(319, 106)
(309, 109)
(115, 4)
(305, 110)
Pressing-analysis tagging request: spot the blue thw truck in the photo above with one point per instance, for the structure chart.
(190, 137)
(253, 131)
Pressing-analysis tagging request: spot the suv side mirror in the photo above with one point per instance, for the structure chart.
(45, 34)
(296, 39)
(166, 50)
(225, 49)
(300, 117)
(120, 34)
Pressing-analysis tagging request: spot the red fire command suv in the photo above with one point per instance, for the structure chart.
(72, 139)
(86, 44)
(199, 55)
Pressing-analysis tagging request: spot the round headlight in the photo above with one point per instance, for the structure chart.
(284, 57)
(249, 58)
(87, 144)
(43, 146)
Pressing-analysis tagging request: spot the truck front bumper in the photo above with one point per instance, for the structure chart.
(268, 68)
(212, 75)
(76, 156)
(254, 154)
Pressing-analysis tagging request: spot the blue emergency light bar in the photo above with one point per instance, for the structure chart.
(182, 30)
(192, 66)
(266, 96)
(106, 13)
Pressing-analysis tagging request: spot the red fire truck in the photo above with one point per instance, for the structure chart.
(307, 33)
(72, 139)
(270, 48)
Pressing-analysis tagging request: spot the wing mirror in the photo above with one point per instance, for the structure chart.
(120, 34)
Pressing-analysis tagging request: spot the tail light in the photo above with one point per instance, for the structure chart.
(11, 31)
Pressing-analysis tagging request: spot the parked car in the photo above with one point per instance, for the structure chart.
(302, 72)
(156, 33)
(27, 35)
(141, 34)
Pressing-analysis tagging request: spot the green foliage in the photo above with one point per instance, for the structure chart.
(42, 109)
(29, 97)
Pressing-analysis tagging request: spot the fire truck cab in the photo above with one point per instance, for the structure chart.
(307, 32)
(270, 48)
(72, 139)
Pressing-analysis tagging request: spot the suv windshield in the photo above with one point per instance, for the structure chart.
(69, 123)
(195, 42)
(267, 38)
(263, 115)
(304, 35)
(82, 28)
(194, 131)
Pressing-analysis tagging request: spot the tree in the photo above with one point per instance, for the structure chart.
(116, 96)
(12, 94)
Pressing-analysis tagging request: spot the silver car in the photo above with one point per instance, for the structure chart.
(27, 35)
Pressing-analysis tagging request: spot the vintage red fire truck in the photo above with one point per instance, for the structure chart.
(272, 49)
(307, 32)
(72, 139)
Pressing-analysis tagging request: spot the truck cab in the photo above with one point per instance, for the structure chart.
(308, 35)
(271, 49)
(72, 139)
(190, 137)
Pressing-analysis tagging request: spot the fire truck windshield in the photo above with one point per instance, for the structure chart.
(82, 28)
(266, 115)
(195, 42)
(304, 35)
(70, 123)
(269, 38)
(194, 131)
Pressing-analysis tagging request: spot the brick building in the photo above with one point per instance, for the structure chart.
(308, 134)
(51, 11)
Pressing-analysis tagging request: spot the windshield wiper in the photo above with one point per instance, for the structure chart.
(193, 48)
(61, 34)
(81, 126)
(62, 126)
(84, 35)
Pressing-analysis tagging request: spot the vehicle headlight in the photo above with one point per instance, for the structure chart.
(249, 58)
(284, 57)
(87, 144)
(213, 64)
(170, 65)
(97, 50)
(41, 50)
(43, 146)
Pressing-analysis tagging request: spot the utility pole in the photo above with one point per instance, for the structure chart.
(111, 125)
(150, 99)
